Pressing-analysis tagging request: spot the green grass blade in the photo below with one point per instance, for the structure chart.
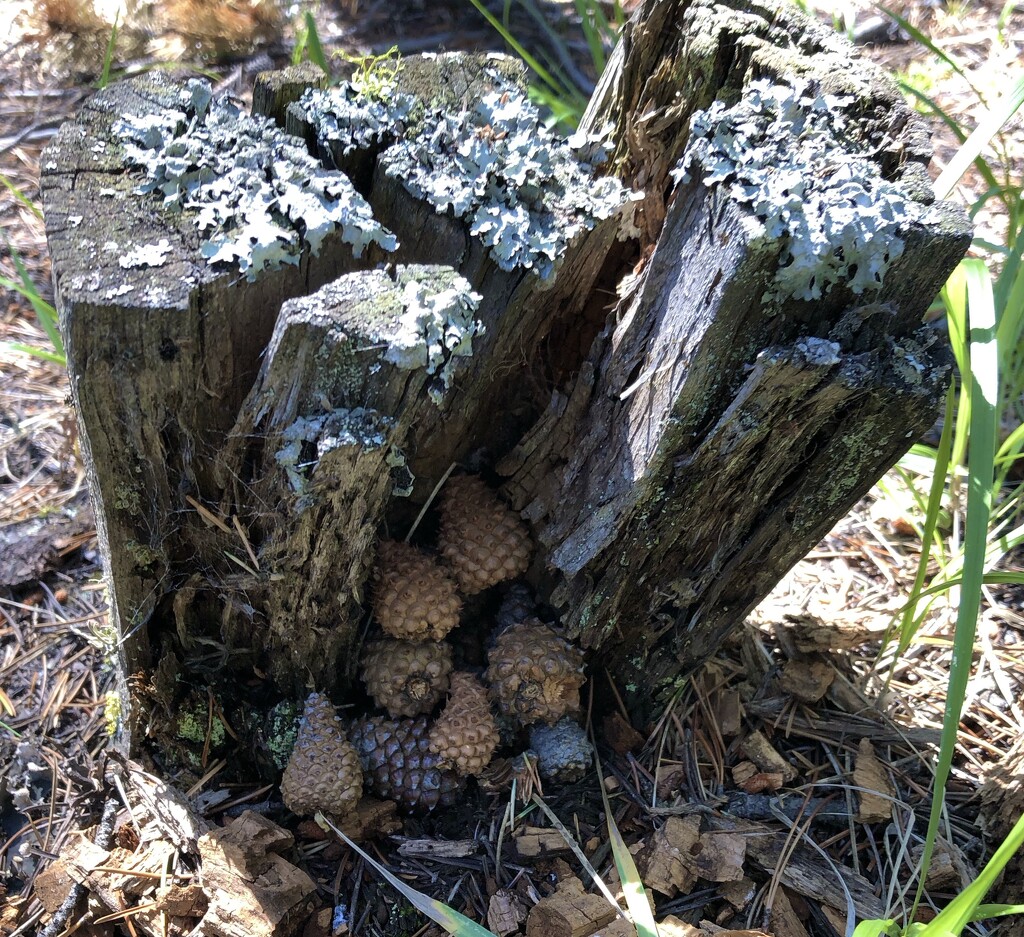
(108, 56)
(907, 628)
(443, 916)
(989, 579)
(964, 907)
(629, 876)
(876, 928)
(35, 352)
(954, 297)
(925, 40)
(301, 38)
(591, 32)
(984, 378)
(519, 49)
(984, 170)
(21, 197)
(313, 44)
(986, 911)
(987, 128)
(44, 311)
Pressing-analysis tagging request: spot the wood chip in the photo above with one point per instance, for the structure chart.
(318, 924)
(948, 870)
(746, 777)
(720, 856)
(370, 819)
(806, 680)
(671, 926)
(739, 893)
(505, 912)
(803, 871)
(534, 842)
(809, 634)
(449, 849)
(664, 862)
(761, 752)
(52, 885)
(182, 900)
(569, 912)
(272, 900)
(784, 920)
(729, 712)
(677, 854)
(876, 792)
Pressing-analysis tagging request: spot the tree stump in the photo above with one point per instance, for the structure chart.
(684, 342)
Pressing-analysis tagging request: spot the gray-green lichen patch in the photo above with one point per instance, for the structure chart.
(257, 195)
(347, 119)
(792, 155)
(147, 255)
(308, 439)
(818, 351)
(435, 329)
(525, 192)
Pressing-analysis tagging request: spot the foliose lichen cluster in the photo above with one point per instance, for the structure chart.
(435, 329)
(525, 192)
(346, 119)
(258, 196)
(791, 154)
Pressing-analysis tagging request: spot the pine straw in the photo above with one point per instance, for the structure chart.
(53, 636)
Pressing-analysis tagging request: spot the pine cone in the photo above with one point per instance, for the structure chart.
(517, 605)
(414, 596)
(465, 734)
(535, 674)
(323, 772)
(405, 677)
(399, 765)
(481, 539)
(564, 752)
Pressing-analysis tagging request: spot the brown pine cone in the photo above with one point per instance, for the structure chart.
(414, 596)
(535, 674)
(481, 539)
(407, 677)
(323, 772)
(398, 764)
(465, 734)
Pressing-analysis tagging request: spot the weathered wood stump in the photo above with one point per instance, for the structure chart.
(682, 362)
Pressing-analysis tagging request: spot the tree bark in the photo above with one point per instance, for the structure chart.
(693, 386)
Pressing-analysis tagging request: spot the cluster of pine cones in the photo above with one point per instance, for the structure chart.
(533, 676)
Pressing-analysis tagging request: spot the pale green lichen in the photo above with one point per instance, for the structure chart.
(435, 329)
(281, 729)
(792, 155)
(257, 196)
(192, 726)
(525, 192)
(112, 710)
